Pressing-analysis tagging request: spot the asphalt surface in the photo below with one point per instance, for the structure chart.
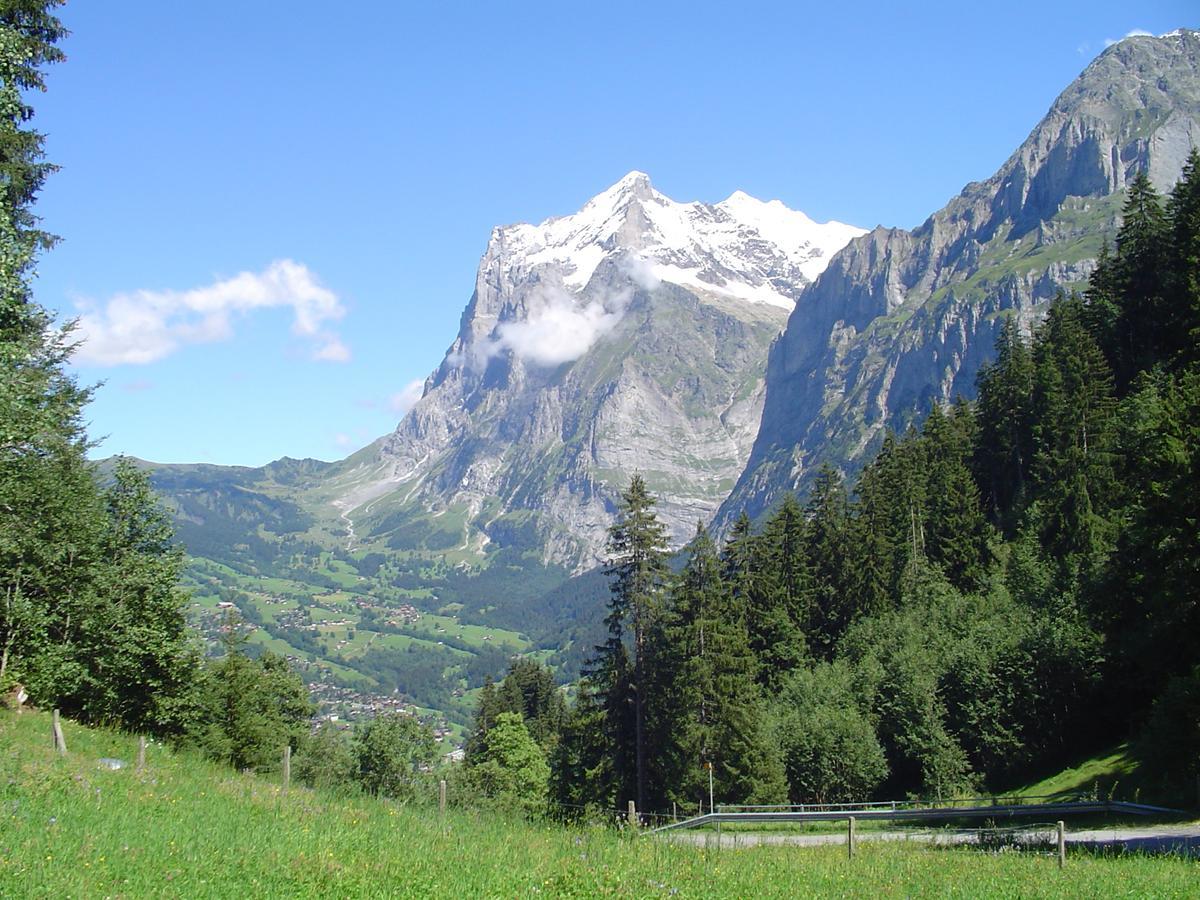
(1179, 838)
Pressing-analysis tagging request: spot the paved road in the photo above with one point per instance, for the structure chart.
(1183, 839)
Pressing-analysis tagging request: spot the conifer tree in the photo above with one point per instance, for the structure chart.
(873, 540)
(49, 511)
(527, 689)
(1073, 408)
(716, 705)
(637, 567)
(826, 553)
(1138, 282)
(957, 534)
(1004, 447)
(1182, 328)
(775, 612)
(582, 771)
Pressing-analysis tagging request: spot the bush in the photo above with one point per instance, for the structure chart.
(325, 760)
(394, 754)
(830, 751)
(512, 769)
(1170, 742)
(250, 710)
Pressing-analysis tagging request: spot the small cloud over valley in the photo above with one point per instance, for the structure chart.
(145, 326)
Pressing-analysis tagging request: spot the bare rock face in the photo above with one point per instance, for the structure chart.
(629, 337)
(900, 320)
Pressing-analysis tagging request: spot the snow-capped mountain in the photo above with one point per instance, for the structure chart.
(762, 252)
(628, 337)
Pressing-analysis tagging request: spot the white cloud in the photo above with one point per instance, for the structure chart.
(1137, 32)
(560, 329)
(333, 350)
(145, 326)
(641, 271)
(404, 400)
(343, 441)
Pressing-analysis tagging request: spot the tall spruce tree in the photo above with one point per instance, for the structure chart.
(1074, 410)
(827, 551)
(1004, 447)
(48, 505)
(957, 533)
(776, 616)
(1182, 328)
(873, 538)
(91, 617)
(637, 567)
(716, 705)
(1138, 279)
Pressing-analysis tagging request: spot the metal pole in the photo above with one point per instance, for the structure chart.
(60, 742)
(711, 807)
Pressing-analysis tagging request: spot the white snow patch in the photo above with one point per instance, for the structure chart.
(742, 247)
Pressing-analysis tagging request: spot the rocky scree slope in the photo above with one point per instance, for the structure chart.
(900, 319)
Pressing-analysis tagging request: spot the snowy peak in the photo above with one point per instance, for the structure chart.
(634, 186)
(759, 252)
(808, 244)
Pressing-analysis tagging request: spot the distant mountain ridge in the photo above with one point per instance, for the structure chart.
(900, 319)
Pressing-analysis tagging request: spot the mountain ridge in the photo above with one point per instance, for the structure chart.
(901, 319)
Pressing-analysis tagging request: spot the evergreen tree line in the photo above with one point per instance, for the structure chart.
(92, 618)
(1011, 585)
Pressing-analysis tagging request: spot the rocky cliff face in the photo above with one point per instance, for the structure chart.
(900, 320)
(630, 337)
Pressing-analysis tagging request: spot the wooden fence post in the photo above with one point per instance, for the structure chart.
(287, 766)
(1062, 844)
(632, 817)
(442, 798)
(141, 757)
(60, 742)
(850, 838)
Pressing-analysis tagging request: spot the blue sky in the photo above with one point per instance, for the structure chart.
(317, 186)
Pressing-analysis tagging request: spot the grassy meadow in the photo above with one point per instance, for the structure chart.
(70, 827)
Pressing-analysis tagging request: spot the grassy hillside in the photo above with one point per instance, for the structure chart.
(1115, 772)
(184, 827)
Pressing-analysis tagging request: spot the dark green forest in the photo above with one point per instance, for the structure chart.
(1011, 585)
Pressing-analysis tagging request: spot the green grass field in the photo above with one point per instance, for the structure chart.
(186, 828)
(1114, 773)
